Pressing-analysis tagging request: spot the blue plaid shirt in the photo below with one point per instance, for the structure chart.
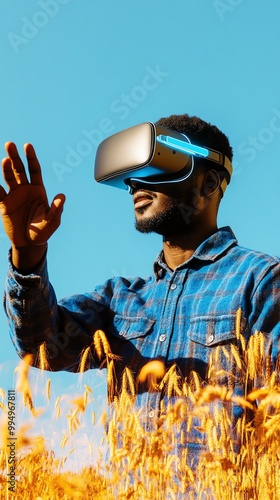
(174, 316)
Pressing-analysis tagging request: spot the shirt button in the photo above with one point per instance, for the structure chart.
(151, 414)
(162, 337)
(173, 286)
(210, 339)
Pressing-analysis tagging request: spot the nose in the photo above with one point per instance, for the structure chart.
(135, 185)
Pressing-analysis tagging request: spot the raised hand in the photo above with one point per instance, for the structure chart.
(27, 217)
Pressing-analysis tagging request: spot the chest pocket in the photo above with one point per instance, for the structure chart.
(211, 331)
(131, 328)
(137, 334)
(213, 342)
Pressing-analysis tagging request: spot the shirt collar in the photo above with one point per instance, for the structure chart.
(210, 250)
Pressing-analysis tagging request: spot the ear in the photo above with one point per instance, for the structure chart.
(211, 183)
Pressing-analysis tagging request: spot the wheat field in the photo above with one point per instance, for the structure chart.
(240, 463)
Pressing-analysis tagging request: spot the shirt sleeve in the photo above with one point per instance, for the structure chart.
(265, 309)
(65, 329)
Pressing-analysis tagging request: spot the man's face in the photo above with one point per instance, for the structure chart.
(166, 209)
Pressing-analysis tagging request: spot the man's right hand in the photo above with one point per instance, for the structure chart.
(28, 219)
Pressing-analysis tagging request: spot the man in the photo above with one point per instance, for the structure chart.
(180, 314)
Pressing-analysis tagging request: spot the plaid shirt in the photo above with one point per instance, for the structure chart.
(175, 316)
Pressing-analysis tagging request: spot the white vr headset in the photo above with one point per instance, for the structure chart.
(148, 154)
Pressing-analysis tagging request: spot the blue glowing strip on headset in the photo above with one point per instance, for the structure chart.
(182, 146)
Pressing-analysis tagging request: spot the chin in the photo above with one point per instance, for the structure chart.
(165, 223)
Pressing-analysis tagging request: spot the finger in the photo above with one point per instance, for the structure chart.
(33, 165)
(17, 164)
(9, 174)
(56, 207)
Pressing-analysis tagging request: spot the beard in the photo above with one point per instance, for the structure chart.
(174, 219)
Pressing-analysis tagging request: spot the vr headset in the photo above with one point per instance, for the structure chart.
(148, 154)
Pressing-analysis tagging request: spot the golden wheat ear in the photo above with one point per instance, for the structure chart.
(84, 359)
(43, 357)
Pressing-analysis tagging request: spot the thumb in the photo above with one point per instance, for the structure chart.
(57, 206)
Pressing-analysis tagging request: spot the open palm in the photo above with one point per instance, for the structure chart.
(26, 214)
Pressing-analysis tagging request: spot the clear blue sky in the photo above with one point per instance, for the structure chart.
(74, 72)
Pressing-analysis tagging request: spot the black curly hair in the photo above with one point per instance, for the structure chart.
(199, 132)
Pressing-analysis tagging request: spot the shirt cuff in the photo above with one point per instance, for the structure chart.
(32, 280)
